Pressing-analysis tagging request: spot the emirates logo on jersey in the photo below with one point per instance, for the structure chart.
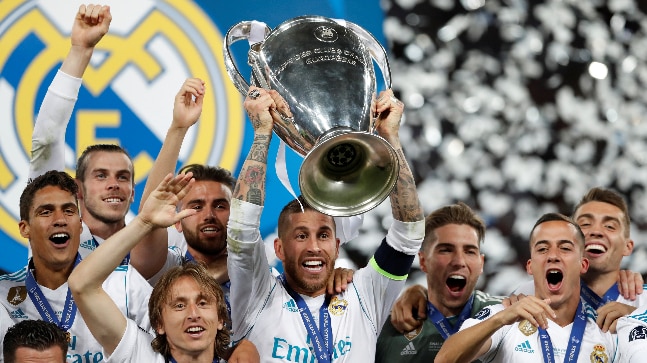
(16, 295)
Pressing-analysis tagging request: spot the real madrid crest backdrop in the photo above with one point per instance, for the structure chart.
(128, 89)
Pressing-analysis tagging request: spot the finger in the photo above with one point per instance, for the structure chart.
(548, 309)
(506, 302)
(187, 212)
(93, 14)
(197, 83)
(604, 322)
(103, 11)
(337, 280)
(340, 281)
(165, 182)
(349, 275)
(624, 287)
(82, 11)
(330, 284)
(193, 86)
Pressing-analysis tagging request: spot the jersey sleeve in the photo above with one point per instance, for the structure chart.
(632, 336)
(249, 272)
(134, 346)
(496, 338)
(138, 292)
(48, 138)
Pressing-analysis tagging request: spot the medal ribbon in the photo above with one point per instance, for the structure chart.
(43, 306)
(574, 341)
(445, 328)
(320, 337)
(596, 301)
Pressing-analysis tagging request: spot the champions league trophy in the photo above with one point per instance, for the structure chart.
(323, 68)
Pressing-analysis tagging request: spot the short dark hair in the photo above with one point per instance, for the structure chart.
(82, 162)
(210, 173)
(34, 334)
(298, 205)
(209, 287)
(604, 195)
(51, 178)
(459, 213)
(549, 217)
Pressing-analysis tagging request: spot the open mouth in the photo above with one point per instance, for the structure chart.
(112, 200)
(456, 283)
(313, 266)
(194, 330)
(554, 279)
(595, 249)
(209, 230)
(59, 238)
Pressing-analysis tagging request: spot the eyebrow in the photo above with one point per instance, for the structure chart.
(104, 170)
(605, 218)
(51, 206)
(559, 242)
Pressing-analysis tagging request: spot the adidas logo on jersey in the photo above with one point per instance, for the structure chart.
(291, 306)
(18, 314)
(409, 349)
(524, 347)
(89, 244)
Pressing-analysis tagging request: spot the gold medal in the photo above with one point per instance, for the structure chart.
(526, 328)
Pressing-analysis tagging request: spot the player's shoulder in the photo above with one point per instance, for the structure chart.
(14, 278)
(486, 311)
(487, 299)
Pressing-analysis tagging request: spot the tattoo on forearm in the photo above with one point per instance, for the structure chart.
(405, 204)
(253, 175)
(259, 149)
(254, 195)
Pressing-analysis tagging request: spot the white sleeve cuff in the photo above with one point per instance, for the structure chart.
(406, 237)
(65, 85)
(244, 221)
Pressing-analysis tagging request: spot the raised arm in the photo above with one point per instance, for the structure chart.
(261, 107)
(405, 204)
(102, 316)
(149, 256)
(91, 23)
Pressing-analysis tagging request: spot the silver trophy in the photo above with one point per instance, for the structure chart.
(323, 68)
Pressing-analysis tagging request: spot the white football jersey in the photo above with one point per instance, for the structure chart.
(632, 337)
(519, 342)
(129, 290)
(264, 312)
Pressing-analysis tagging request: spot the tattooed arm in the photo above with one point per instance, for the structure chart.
(247, 265)
(251, 180)
(405, 204)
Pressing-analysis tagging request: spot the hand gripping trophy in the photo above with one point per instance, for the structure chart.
(323, 68)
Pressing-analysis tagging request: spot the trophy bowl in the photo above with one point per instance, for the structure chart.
(324, 70)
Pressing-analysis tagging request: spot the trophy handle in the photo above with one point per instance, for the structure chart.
(252, 31)
(377, 51)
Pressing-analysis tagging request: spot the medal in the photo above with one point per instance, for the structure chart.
(526, 328)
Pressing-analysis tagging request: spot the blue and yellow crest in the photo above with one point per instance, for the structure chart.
(127, 92)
